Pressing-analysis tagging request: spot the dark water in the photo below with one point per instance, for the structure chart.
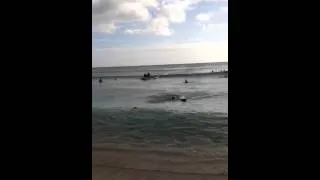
(143, 113)
(160, 69)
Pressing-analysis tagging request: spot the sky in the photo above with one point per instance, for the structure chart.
(150, 32)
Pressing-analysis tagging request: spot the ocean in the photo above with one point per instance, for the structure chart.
(132, 113)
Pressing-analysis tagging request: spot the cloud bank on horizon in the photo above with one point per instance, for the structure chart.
(142, 32)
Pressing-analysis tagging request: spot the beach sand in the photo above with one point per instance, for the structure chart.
(144, 164)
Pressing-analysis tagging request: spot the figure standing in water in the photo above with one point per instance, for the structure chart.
(100, 80)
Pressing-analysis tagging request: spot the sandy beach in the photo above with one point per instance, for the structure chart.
(128, 163)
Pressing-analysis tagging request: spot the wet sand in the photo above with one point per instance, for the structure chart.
(128, 163)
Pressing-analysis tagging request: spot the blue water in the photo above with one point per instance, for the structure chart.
(143, 113)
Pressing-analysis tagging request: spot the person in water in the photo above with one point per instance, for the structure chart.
(186, 81)
(183, 100)
(100, 80)
(147, 75)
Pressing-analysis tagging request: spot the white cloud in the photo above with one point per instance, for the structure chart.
(132, 11)
(173, 12)
(107, 28)
(160, 26)
(204, 16)
(115, 11)
(211, 21)
(170, 11)
(157, 26)
(107, 12)
(132, 31)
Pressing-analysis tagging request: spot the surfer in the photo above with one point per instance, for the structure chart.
(183, 99)
(147, 76)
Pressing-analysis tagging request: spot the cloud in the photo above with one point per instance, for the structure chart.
(119, 11)
(157, 26)
(210, 21)
(132, 31)
(132, 11)
(170, 11)
(107, 28)
(156, 15)
(204, 17)
(160, 26)
(174, 12)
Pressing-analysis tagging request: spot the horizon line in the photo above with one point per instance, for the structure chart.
(157, 65)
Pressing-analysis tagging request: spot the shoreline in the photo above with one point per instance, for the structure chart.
(116, 162)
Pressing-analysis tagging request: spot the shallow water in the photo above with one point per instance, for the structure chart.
(143, 113)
